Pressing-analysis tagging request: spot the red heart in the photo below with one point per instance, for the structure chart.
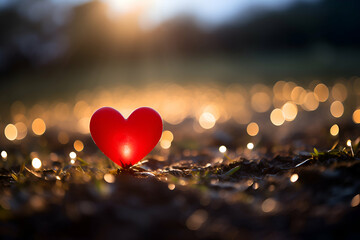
(126, 141)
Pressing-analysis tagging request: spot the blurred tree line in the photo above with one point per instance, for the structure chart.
(39, 33)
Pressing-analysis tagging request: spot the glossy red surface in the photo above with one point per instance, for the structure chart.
(126, 141)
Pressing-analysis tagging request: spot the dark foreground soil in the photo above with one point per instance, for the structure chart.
(195, 197)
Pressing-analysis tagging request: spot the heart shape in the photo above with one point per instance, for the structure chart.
(126, 141)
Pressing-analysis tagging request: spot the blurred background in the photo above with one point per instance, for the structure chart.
(75, 44)
(207, 66)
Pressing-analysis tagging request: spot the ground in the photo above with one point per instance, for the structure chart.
(200, 196)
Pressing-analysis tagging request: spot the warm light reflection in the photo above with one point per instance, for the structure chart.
(78, 145)
(290, 111)
(36, 163)
(207, 120)
(334, 130)
(277, 117)
(252, 129)
(348, 143)
(10, 132)
(38, 126)
(337, 109)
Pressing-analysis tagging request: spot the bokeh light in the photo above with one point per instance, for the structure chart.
(268, 205)
(250, 146)
(109, 178)
(311, 102)
(222, 149)
(10, 132)
(4, 154)
(207, 120)
(298, 95)
(294, 177)
(337, 109)
(261, 102)
(322, 92)
(334, 130)
(166, 138)
(197, 219)
(290, 111)
(72, 155)
(355, 201)
(78, 145)
(252, 129)
(277, 117)
(38, 126)
(356, 116)
(339, 92)
(21, 130)
(36, 163)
